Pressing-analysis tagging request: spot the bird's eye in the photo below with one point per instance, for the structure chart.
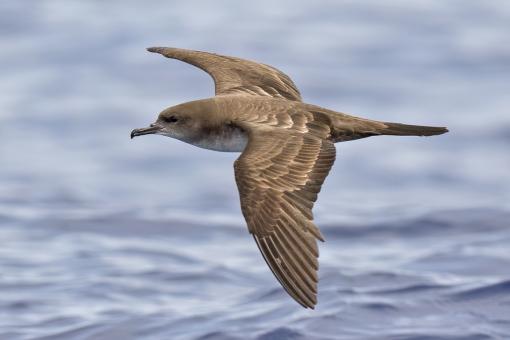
(171, 119)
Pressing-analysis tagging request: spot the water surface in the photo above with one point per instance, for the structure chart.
(108, 238)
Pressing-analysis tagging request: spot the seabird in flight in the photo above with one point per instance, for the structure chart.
(287, 150)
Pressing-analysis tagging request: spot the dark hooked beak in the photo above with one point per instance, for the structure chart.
(145, 131)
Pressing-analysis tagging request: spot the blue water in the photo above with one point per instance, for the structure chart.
(107, 238)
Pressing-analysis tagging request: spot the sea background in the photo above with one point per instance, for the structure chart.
(103, 237)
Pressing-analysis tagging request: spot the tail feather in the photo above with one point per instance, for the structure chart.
(396, 129)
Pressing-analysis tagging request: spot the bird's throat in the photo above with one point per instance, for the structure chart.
(227, 138)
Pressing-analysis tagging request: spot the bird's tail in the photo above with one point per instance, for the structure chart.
(396, 129)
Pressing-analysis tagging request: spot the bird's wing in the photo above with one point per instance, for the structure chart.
(279, 176)
(235, 76)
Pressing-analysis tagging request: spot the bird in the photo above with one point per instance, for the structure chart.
(287, 149)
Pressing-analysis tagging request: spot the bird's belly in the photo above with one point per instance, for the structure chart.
(231, 141)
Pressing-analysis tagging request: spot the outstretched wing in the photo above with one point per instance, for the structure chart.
(279, 176)
(235, 76)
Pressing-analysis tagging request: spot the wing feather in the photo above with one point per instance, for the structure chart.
(236, 76)
(279, 176)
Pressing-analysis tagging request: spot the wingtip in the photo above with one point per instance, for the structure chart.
(311, 305)
(305, 304)
(154, 49)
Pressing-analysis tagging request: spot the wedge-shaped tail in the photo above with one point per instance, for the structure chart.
(345, 127)
(396, 129)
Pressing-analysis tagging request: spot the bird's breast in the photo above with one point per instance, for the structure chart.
(226, 138)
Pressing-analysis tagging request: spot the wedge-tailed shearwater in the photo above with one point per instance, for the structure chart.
(288, 149)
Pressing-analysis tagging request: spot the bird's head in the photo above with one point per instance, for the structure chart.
(182, 122)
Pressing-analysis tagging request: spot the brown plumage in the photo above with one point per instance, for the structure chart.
(287, 152)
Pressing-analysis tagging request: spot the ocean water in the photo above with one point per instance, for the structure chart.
(103, 237)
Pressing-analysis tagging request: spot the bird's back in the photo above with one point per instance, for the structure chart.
(298, 117)
(302, 117)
